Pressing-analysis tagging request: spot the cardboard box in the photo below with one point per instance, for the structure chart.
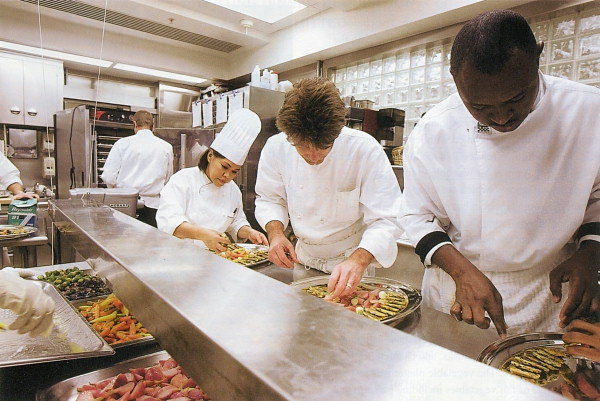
(23, 212)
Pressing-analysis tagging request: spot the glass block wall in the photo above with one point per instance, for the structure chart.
(415, 79)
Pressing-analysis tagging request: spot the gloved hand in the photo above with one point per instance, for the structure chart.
(27, 299)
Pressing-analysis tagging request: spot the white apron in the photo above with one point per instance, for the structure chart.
(526, 297)
(331, 251)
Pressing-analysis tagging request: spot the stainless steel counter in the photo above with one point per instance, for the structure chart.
(245, 336)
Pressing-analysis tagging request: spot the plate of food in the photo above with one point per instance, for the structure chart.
(249, 255)
(13, 232)
(542, 359)
(381, 299)
(75, 283)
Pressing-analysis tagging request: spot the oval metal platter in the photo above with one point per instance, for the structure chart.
(386, 284)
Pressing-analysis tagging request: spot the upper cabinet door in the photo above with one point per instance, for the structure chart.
(11, 90)
(42, 83)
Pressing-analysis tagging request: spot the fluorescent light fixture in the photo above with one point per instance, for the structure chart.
(159, 73)
(54, 54)
(265, 10)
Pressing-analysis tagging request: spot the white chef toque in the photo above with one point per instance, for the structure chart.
(237, 135)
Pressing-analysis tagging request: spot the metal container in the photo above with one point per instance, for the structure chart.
(66, 390)
(70, 338)
(364, 104)
(386, 284)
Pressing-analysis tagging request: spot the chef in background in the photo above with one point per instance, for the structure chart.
(334, 184)
(143, 162)
(203, 202)
(10, 178)
(502, 186)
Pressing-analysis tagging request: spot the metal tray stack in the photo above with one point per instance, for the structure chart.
(70, 338)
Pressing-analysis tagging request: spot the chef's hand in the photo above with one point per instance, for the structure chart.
(475, 294)
(255, 236)
(586, 334)
(33, 307)
(214, 239)
(281, 250)
(346, 276)
(24, 195)
(581, 272)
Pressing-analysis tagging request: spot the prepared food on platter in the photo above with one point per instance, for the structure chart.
(111, 319)
(376, 304)
(16, 230)
(76, 284)
(545, 365)
(538, 365)
(164, 381)
(242, 255)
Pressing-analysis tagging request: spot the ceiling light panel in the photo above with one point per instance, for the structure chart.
(158, 73)
(265, 10)
(54, 54)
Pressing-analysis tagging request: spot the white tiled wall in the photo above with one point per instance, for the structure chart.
(415, 79)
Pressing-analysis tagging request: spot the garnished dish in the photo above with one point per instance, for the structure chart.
(165, 380)
(75, 283)
(111, 319)
(375, 303)
(13, 232)
(377, 298)
(542, 359)
(538, 365)
(245, 254)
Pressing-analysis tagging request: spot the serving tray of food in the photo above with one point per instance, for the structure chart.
(156, 376)
(70, 338)
(542, 359)
(13, 232)
(249, 255)
(74, 282)
(382, 299)
(111, 319)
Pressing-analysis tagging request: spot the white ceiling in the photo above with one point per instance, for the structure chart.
(156, 33)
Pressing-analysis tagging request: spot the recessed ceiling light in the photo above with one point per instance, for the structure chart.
(54, 54)
(158, 73)
(265, 10)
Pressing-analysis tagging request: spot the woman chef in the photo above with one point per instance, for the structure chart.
(202, 202)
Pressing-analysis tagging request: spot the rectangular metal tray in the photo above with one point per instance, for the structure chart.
(139, 341)
(70, 338)
(66, 390)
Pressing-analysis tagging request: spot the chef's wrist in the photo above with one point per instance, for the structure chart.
(362, 257)
(274, 230)
(452, 262)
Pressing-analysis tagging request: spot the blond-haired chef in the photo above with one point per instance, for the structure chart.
(202, 202)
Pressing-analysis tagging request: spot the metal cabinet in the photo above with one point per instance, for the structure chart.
(30, 90)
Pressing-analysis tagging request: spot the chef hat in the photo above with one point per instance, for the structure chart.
(237, 135)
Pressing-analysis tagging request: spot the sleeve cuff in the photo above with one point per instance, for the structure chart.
(588, 229)
(381, 244)
(590, 237)
(427, 261)
(426, 244)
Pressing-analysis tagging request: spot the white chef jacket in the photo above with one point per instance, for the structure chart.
(9, 174)
(510, 202)
(141, 161)
(191, 196)
(349, 200)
